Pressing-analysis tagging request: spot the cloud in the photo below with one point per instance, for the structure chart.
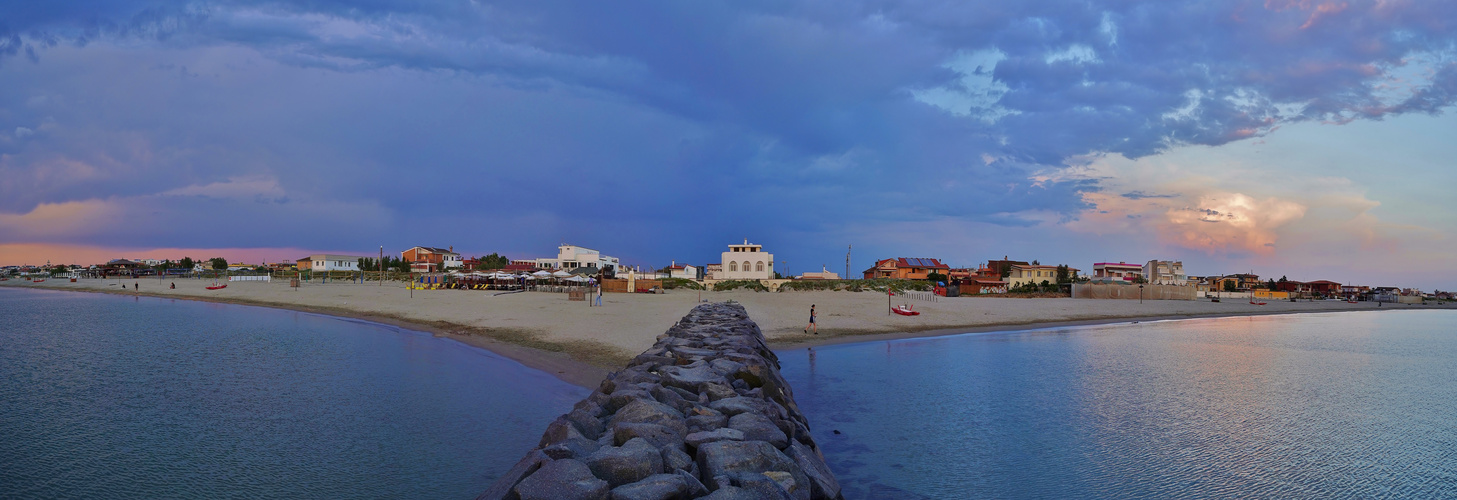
(23, 132)
(778, 118)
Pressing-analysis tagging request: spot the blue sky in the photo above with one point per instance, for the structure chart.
(1305, 138)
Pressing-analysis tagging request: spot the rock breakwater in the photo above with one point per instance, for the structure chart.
(703, 413)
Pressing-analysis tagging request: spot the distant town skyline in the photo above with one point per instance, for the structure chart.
(1309, 139)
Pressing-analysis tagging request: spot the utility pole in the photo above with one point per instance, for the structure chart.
(848, 248)
(381, 265)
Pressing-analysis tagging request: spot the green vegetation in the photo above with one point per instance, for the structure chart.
(676, 283)
(492, 261)
(871, 285)
(218, 263)
(754, 285)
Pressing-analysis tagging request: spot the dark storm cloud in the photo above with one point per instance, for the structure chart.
(755, 113)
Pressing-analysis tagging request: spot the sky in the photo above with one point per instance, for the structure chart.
(1304, 138)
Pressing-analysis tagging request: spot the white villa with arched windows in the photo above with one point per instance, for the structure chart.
(746, 262)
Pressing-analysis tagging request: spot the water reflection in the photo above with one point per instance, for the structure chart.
(1332, 405)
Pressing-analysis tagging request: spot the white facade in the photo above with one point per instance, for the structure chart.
(746, 262)
(330, 262)
(684, 271)
(570, 257)
(1165, 272)
(1108, 271)
(824, 274)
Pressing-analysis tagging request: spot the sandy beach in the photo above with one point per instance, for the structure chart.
(581, 344)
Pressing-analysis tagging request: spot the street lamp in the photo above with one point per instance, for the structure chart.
(1140, 294)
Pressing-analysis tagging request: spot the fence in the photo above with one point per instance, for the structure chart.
(250, 278)
(926, 296)
(1134, 292)
(621, 285)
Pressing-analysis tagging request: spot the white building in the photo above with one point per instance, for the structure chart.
(1165, 272)
(1113, 272)
(570, 257)
(746, 262)
(824, 274)
(684, 271)
(329, 262)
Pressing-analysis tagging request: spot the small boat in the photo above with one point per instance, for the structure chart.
(36, 281)
(217, 287)
(904, 311)
(1252, 302)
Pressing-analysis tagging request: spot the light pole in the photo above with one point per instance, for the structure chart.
(1140, 294)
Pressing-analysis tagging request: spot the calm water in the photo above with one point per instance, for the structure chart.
(118, 397)
(1342, 405)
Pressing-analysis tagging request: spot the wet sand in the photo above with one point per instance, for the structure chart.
(581, 344)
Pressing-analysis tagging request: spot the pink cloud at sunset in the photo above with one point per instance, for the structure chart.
(40, 253)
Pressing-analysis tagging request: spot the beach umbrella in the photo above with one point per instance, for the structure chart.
(561, 274)
(541, 274)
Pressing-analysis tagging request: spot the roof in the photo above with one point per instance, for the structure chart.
(433, 250)
(1120, 264)
(677, 266)
(331, 256)
(918, 262)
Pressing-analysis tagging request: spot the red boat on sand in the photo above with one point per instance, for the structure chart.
(219, 287)
(904, 311)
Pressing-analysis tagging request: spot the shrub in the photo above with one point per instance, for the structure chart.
(676, 283)
(724, 286)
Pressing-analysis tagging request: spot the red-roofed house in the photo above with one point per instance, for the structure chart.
(906, 268)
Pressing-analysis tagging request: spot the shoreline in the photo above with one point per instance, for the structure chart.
(581, 345)
(812, 342)
(559, 364)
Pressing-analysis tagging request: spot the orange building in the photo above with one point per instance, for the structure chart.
(906, 268)
(431, 259)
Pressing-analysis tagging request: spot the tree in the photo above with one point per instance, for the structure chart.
(1228, 286)
(218, 263)
(936, 277)
(1062, 274)
(187, 263)
(1035, 263)
(1282, 279)
(493, 261)
(1139, 280)
(1271, 284)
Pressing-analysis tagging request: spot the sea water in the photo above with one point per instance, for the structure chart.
(1338, 405)
(105, 396)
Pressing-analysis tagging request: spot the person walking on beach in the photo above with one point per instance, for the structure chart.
(812, 325)
(599, 295)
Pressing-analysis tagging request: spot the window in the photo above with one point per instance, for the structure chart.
(759, 267)
(733, 266)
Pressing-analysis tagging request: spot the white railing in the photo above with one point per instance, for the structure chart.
(250, 278)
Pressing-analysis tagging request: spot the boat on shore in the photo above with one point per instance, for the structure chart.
(905, 310)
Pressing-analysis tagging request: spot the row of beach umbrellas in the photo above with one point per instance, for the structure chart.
(539, 275)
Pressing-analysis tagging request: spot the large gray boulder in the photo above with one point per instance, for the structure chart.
(631, 462)
(730, 458)
(757, 427)
(562, 480)
(654, 487)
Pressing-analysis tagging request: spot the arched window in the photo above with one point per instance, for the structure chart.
(733, 266)
(759, 267)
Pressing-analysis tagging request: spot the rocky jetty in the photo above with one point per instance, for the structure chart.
(704, 413)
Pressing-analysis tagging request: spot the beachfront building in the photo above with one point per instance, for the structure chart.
(746, 262)
(1116, 272)
(569, 257)
(906, 268)
(1034, 274)
(329, 262)
(684, 271)
(432, 259)
(712, 271)
(824, 274)
(1165, 272)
